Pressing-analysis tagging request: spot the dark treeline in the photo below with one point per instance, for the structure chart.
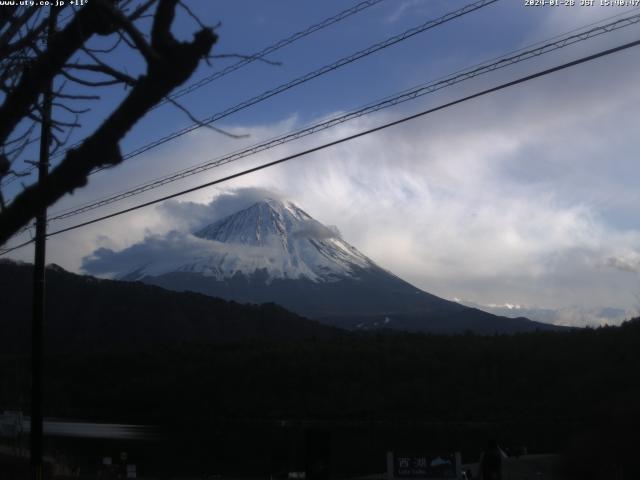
(574, 391)
(87, 314)
(569, 376)
(225, 375)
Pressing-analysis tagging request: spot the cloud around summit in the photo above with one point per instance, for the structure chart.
(526, 196)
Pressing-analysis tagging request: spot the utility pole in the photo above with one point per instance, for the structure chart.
(37, 328)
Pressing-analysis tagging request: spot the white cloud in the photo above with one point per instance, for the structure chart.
(627, 262)
(527, 196)
(405, 7)
(192, 215)
(456, 204)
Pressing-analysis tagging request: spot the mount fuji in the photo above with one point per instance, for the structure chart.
(273, 251)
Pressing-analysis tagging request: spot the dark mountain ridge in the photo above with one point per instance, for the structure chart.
(275, 252)
(90, 314)
(375, 300)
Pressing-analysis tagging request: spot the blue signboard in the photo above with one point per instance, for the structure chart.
(423, 466)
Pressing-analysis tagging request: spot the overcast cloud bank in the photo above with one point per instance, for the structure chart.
(528, 196)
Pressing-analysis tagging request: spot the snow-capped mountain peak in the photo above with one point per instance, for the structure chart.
(271, 236)
(272, 251)
(257, 224)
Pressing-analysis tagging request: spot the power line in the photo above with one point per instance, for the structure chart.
(4, 251)
(314, 74)
(310, 76)
(327, 22)
(272, 48)
(267, 50)
(405, 96)
(502, 86)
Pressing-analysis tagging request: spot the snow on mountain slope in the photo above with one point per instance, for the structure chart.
(274, 252)
(272, 236)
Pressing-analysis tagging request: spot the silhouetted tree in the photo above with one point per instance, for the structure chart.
(28, 64)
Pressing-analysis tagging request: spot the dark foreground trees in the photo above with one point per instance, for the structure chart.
(80, 58)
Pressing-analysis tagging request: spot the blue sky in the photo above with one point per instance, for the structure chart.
(527, 196)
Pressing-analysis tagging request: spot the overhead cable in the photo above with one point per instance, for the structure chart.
(324, 146)
(392, 101)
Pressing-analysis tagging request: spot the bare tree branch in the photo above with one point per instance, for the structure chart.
(200, 122)
(131, 30)
(172, 65)
(77, 97)
(15, 26)
(7, 49)
(89, 83)
(191, 14)
(69, 109)
(87, 22)
(118, 77)
(104, 50)
(139, 12)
